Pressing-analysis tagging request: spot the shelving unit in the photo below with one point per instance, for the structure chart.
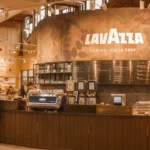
(55, 73)
(26, 76)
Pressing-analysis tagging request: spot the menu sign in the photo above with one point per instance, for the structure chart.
(81, 70)
(113, 72)
(102, 71)
(143, 72)
(123, 72)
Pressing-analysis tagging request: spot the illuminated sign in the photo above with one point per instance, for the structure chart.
(114, 37)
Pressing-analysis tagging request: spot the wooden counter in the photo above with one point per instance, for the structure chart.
(122, 110)
(75, 131)
(74, 108)
(12, 105)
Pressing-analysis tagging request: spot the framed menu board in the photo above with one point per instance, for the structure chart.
(123, 72)
(113, 71)
(81, 70)
(81, 85)
(101, 71)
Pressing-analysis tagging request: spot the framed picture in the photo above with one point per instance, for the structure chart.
(70, 85)
(91, 85)
(81, 86)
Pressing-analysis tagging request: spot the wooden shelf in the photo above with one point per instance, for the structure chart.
(48, 74)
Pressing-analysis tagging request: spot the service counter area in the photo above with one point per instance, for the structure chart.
(75, 131)
(12, 104)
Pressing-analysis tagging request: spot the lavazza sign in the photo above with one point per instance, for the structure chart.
(113, 37)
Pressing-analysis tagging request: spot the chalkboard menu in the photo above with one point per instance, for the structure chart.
(81, 70)
(101, 71)
(113, 72)
(123, 72)
(142, 72)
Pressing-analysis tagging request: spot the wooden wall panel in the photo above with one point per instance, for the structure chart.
(119, 133)
(69, 132)
(148, 123)
(23, 131)
(11, 127)
(111, 133)
(84, 132)
(135, 137)
(101, 133)
(55, 131)
(62, 131)
(1, 126)
(78, 132)
(8, 127)
(75, 132)
(29, 129)
(92, 134)
(17, 136)
(143, 141)
(127, 132)
(26, 129)
(34, 132)
(40, 131)
(45, 131)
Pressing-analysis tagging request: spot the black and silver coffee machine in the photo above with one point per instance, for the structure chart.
(44, 101)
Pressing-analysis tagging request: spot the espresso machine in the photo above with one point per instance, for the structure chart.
(91, 92)
(46, 101)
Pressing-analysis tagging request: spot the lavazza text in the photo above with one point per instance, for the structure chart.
(114, 37)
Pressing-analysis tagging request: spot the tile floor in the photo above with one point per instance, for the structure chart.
(11, 147)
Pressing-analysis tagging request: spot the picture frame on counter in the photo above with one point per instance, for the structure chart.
(81, 85)
(91, 86)
(70, 85)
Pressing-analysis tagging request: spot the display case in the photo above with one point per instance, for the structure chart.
(52, 73)
(141, 108)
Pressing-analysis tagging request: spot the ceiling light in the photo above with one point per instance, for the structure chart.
(148, 6)
(1, 10)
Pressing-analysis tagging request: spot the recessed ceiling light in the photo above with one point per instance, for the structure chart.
(1, 10)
